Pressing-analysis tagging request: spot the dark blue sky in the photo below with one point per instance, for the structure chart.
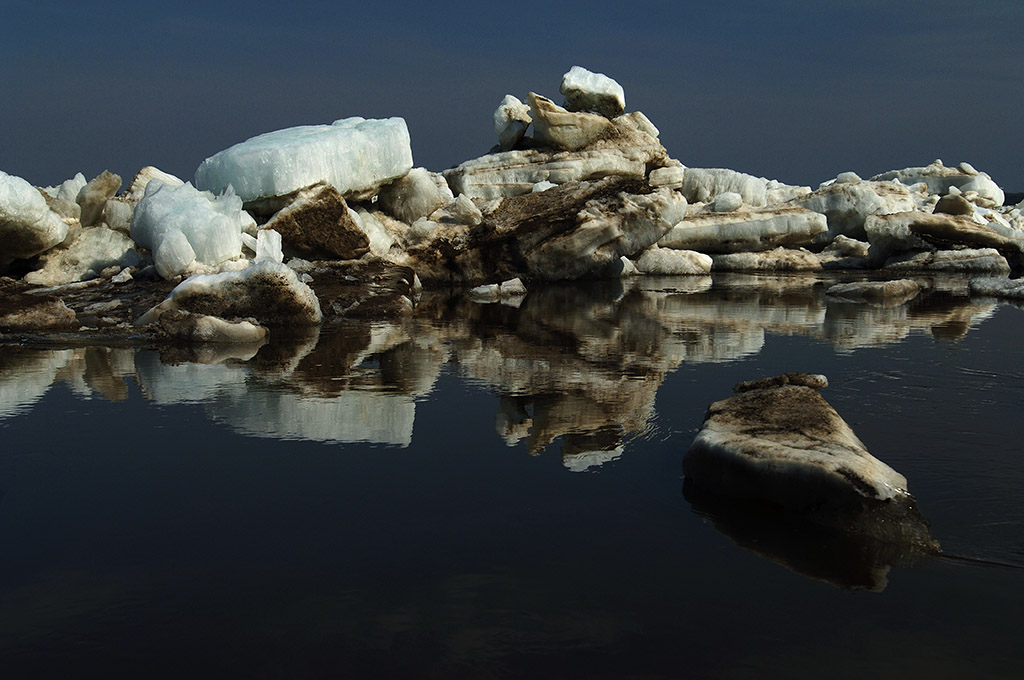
(797, 90)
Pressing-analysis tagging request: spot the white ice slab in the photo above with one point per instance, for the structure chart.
(354, 155)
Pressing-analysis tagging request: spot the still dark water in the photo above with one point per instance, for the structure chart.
(486, 491)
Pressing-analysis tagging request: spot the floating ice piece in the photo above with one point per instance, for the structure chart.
(467, 212)
(318, 224)
(27, 225)
(777, 193)
(211, 224)
(249, 242)
(701, 185)
(606, 230)
(621, 268)
(914, 230)
(124, 276)
(490, 292)
(494, 292)
(630, 149)
(512, 173)
(780, 441)
(596, 92)
(954, 204)
(512, 287)
(354, 155)
(845, 253)
(117, 214)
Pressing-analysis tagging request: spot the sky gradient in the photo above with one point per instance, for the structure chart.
(795, 90)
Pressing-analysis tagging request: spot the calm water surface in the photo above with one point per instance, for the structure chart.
(486, 491)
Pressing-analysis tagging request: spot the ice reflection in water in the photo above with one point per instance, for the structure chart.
(27, 374)
(579, 363)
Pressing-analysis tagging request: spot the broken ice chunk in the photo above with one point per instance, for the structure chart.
(211, 224)
(27, 225)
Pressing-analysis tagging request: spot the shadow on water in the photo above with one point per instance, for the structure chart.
(852, 548)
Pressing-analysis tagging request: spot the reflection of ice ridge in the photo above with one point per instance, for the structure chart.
(572, 359)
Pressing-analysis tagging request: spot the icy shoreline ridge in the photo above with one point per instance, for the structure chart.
(571, 190)
(354, 155)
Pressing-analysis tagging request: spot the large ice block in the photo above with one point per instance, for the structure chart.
(354, 155)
